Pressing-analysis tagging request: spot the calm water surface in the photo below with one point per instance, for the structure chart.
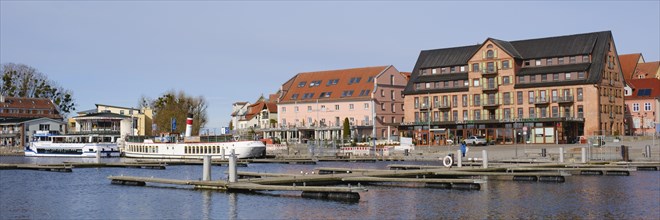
(88, 194)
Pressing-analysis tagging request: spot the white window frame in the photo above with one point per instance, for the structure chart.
(647, 106)
(635, 107)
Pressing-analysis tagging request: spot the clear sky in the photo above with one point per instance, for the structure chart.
(112, 52)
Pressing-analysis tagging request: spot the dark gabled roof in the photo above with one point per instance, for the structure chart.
(554, 69)
(505, 45)
(103, 114)
(568, 45)
(447, 57)
(595, 44)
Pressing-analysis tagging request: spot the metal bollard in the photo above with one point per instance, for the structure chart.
(485, 155)
(561, 154)
(98, 155)
(223, 153)
(206, 173)
(647, 151)
(584, 155)
(459, 160)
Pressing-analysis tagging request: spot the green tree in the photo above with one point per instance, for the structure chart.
(20, 80)
(231, 125)
(347, 129)
(177, 105)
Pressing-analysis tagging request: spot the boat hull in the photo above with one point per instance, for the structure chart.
(87, 150)
(242, 149)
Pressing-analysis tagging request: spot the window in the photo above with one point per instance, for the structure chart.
(454, 100)
(521, 79)
(336, 107)
(323, 108)
(475, 67)
(416, 116)
(506, 80)
(121, 112)
(382, 106)
(332, 82)
(571, 59)
(44, 127)
(392, 95)
(302, 84)
(579, 94)
(567, 76)
(530, 96)
(309, 108)
(283, 109)
(366, 105)
(382, 93)
(532, 114)
(532, 78)
(477, 100)
(527, 63)
(325, 95)
(555, 77)
(507, 113)
(544, 112)
(585, 59)
(371, 79)
(466, 83)
(315, 83)
(455, 83)
(635, 107)
(490, 67)
(453, 69)
(393, 108)
(505, 64)
(519, 97)
(560, 60)
(544, 77)
(295, 109)
(294, 96)
(416, 102)
(446, 84)
(555, 111)
(538, 62)
(462, 68)
(347, 93)
(490, 54)
(548, 62)
(477, 114)
(465, 100)
(421, 72)
(465, 115)
(357, 79)
(475, 82)
(555, 95)
(647, 106)
(351, 106)
(520, 112)
(507, 98)
(434, 71)
(580, 111)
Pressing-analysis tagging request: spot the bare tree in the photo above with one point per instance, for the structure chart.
(20, 80)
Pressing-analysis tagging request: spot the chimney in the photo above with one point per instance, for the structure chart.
(189, 122)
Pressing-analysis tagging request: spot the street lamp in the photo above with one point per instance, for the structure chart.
(641, 126)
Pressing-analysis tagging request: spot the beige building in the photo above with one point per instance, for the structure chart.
(547, 90)
(142, 119)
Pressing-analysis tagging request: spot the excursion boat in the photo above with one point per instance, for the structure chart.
(47, 145)
(172, 146)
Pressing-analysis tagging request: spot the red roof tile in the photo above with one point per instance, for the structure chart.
(29, 108)
(650, 83)
(648, 69)
(301, 84)
(629, 63)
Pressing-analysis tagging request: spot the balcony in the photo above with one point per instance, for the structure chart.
(443, 105)
(490, 103)
(565, 99)
(490, 87)
(489, 72)
(541, 100)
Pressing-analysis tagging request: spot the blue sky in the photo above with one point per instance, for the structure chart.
(112, 52)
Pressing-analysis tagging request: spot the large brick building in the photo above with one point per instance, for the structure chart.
(545, 90)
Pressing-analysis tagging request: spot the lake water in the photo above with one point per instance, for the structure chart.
(88, 194)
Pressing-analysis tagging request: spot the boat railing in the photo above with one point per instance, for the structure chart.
(201, 139)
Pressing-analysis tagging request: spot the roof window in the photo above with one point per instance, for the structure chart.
(315, 83)
(325, 95)
(294, 96)
(347, 93)
(302, 84)
(332, 82)
(354, 80)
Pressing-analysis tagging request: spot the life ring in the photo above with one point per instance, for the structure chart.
(447, 161)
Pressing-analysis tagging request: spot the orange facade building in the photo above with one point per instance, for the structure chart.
(547, 90)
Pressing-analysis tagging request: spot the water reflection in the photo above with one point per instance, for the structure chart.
(233, 205)
(206, 204)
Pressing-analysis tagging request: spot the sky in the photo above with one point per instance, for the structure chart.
(114, 52)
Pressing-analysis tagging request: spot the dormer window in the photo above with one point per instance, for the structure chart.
(490, 54)
(302, 84)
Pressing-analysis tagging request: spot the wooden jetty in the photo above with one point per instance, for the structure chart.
(52, 168)
(68, 166)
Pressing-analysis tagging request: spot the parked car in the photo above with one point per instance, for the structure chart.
(476, 140)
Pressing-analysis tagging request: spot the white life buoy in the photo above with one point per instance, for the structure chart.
(447, 161)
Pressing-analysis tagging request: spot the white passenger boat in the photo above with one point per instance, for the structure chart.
(46, 145)
(170, 146)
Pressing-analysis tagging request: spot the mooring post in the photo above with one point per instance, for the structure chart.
(561, 154)
(98, 155)
(584, 155)
(232, 166)
(223, 153)
(459, 159)
(485, 155)
(207, 168)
